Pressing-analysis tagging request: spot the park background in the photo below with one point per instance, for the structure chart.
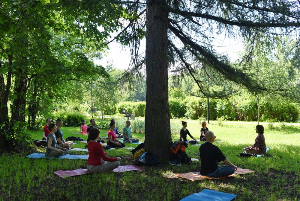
(49, 53)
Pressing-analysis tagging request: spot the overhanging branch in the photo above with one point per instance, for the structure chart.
(240, 23)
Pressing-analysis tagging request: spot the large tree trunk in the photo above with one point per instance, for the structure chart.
(4, 93)
(19, 103)
(33, 106)
(157, 118)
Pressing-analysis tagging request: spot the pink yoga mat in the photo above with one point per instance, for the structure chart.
(196, 175)
(127, 168)
(71, 173)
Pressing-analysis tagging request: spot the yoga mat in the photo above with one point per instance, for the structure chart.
(128, 148)
(67, 156)
(79, 149)
(132, 143)
(77, 172)
(196, 175)
(210, 195)
(71, 173)
(127, 168)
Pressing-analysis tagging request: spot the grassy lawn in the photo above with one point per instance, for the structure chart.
(275, 178)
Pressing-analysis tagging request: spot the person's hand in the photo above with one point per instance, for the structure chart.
(118, 158)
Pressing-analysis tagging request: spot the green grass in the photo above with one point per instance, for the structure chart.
(275, 178)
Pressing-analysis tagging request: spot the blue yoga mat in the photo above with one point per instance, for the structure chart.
(67, 156)
(132, 143)
(210, 195)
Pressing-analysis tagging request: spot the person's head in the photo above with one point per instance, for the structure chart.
(92, 121)
(112, 125)
(260, 129)
(113, 120)
(203, 124)
(94, 133)
(127, 123)
(48, 121)
(52, 128)
(59, 123)
(210, 136)
(184, 124)
(83, 122)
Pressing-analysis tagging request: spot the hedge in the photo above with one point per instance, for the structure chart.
(240, 110)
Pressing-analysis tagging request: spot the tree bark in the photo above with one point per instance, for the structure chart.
(33, 106)
(4, 93)
(19, 103)
(157, 117)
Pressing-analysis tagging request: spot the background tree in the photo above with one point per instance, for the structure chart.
(46, 42)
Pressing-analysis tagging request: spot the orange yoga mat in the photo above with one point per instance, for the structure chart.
(196, 175)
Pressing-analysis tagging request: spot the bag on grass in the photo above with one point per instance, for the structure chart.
(135, 140)
(148, 158)
(40, 143)
(247, 155)
(72, 138)
(178, 153)
(138, 153)
(140, 146)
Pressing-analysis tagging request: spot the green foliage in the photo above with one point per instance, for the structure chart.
(242, 108)
(280, 111)
(70, 119)
(177, 107)
(195, 107)
(137, 108)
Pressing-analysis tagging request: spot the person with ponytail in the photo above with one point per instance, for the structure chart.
(184, 132)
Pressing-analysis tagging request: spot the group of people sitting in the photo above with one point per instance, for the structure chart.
(211, 155)
(56, 145)
(53, 135)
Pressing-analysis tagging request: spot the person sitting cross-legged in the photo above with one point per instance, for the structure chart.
(210, 156)
(59, 136)
(95, 162)
(127, 133)
(52, 149)
(112, 138)
(184, 132)
(259, 147)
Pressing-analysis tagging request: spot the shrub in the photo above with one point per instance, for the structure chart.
(137, 108)
(195, 108)
(138, 126)
(70, 119)
(177, 108)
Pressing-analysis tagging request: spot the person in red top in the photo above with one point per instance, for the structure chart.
(112, 138)
(259, 146)
(97, 155)
(46, 130)
(83, 128)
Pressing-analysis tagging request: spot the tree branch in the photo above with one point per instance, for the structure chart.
(240, 23)
(131, 22)
(188, 67)
(225, 69)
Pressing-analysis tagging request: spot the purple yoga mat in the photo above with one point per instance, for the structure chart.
(127, 168)
(71, 173)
